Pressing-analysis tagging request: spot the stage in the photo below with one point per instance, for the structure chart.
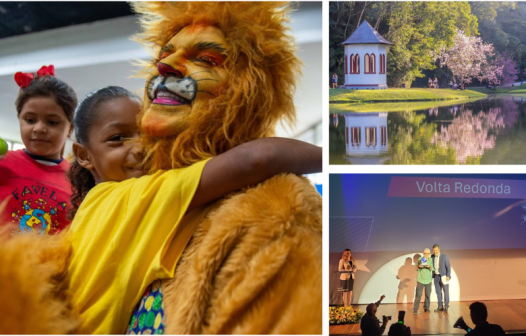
(509, 314)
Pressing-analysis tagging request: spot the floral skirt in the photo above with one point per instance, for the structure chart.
(148, 315)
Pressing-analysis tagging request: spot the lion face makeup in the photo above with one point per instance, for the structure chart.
(223, 74)
(190, 71)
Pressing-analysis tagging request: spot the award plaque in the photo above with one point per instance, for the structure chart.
(424, 261)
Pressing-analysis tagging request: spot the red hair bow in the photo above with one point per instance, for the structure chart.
(24, 79)
(46, 71)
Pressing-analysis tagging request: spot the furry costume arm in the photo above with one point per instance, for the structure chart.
(254, 266)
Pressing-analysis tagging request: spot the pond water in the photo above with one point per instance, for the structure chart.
(491, 130)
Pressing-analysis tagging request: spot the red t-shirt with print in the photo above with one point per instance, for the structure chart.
(37, 195)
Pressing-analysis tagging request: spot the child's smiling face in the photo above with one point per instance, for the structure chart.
(44, 127)
(111, 156)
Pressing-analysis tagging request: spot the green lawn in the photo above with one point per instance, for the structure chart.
(516, 89)
(394, 106)
(413, 94)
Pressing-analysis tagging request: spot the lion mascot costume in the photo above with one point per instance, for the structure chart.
(223, 74)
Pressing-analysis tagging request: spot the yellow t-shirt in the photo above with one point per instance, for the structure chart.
(120, 238)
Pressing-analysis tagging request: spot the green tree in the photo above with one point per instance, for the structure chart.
(340, 20)
(417, 29)
(503, 24)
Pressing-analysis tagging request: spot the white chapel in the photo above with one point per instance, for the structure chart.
(365, 59)
(366, 134)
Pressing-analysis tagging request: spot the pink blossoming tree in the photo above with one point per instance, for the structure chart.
(510, 69)
(468, 58)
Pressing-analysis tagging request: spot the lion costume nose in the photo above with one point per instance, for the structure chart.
(167, 71)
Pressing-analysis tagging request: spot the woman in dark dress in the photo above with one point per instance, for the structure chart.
(347, 263)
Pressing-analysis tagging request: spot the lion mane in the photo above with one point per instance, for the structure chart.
(262, 68)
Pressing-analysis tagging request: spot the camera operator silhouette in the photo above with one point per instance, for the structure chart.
(370, 325)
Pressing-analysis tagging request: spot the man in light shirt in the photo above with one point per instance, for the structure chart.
(441, 277)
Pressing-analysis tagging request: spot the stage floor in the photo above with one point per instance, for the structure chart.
(509, 314)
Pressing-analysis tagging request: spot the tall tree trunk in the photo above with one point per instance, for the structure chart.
(385, 9)
(361, 14)
(340, 10)
(378, 23)
(347, 26)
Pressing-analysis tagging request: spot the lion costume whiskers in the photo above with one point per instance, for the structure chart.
(253, 265)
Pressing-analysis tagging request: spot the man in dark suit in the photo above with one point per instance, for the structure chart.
(441, 277)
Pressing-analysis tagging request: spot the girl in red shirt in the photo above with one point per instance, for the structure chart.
(34, 191)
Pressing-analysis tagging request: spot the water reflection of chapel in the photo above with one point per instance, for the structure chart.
(366, 133)
(365, 59)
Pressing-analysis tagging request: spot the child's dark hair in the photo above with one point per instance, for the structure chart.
(85, 115)
(49, 86)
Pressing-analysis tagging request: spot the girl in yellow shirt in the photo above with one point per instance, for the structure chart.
(129, 231)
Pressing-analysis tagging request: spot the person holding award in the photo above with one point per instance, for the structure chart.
(425, 269)
(347, 263)
(441, 277)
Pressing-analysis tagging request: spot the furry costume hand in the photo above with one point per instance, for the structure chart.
(33, 294)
